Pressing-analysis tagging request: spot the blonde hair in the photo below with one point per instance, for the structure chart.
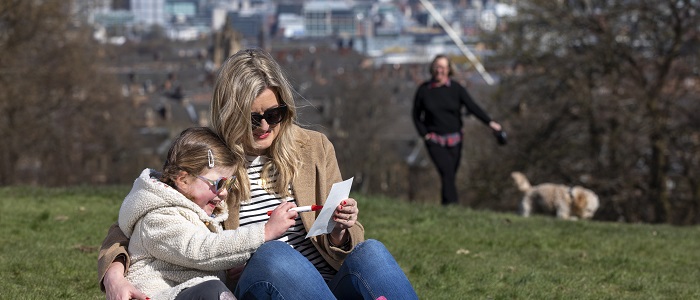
(189, 153)
(241, 79)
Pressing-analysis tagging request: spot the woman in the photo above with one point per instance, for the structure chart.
(437, 114)
(253, 111)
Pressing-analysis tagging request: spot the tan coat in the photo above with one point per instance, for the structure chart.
(315, 176)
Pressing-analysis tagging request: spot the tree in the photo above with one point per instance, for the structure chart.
(602, 90)
(365, 112)
(62, 119)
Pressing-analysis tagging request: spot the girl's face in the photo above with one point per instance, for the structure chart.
(264, 134)
(203, 192)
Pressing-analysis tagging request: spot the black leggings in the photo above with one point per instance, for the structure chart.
(446, 159)
(208, 290)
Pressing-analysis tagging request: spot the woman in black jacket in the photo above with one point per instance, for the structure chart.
(437, 114)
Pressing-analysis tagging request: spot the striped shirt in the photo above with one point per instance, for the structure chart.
(255, 211)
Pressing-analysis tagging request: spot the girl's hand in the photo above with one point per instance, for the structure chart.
(280, 220)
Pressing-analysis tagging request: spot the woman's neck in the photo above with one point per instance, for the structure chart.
(256, 152)
(442, 81)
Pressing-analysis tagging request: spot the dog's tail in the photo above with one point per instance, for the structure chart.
(521, 181)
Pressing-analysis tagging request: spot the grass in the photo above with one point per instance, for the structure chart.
(49, 238)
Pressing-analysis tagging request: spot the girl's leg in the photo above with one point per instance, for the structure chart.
(370, 272)
(277, 271)
(208, 290)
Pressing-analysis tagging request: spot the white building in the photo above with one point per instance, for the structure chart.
(149, 12)
(329, 19)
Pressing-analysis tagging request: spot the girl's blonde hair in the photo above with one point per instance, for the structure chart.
(189, 153)
(241, 79)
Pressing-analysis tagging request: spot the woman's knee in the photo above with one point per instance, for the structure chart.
(369, 250)
(273, 248)
(371, 246)
(277, 268)
(277, 259)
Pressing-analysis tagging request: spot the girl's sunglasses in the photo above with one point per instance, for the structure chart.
(220, 184)
(272, 116)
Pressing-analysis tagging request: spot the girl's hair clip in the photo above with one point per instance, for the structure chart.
(210, 158)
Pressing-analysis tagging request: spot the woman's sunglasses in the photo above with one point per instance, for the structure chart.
(272, 116)
(220, 184)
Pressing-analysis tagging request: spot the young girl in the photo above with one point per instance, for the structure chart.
(177, 247)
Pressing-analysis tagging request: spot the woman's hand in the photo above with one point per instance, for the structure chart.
(280, 220)
(346, 213)
(345, 216)
(117, 287)
(495, 126)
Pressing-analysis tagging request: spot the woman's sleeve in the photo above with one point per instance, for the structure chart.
(357, 232)
(417, 113)
(168, 235)
(472, 107)
(113, 246)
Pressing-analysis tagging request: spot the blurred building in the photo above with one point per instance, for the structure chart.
(148, 12)
(388, 31)
(328, 19)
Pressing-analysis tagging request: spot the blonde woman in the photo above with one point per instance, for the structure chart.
(253, 111)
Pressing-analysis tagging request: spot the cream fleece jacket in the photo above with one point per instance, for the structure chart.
(174, 244)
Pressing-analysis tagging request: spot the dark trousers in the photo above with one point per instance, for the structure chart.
(207, 290)
(446, 159)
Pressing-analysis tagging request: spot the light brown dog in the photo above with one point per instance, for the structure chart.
(567, 202)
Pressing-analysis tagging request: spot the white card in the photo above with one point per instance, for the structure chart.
(324, 223)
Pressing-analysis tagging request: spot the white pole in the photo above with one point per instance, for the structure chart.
(458, 41)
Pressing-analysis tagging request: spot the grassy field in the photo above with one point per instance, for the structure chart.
(49, 240)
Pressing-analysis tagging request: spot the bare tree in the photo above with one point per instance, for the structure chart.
(602, 90)
(363, 109)
(62, 121)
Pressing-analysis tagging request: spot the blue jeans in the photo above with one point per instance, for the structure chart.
(277, 271)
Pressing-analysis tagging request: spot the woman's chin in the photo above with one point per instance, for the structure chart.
(261, 145)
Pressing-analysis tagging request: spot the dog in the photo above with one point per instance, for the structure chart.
(567, 202)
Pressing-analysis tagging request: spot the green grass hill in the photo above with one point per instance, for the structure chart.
(49, 238)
